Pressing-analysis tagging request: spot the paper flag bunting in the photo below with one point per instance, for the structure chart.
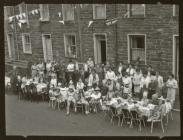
(24, 15)
(59, 14)
(89, 24)
(61, 21)
(21, 16)
(20, 24)
(17, 16)
(22, 21)
(11, 18)
(36, 11)
(32, 12)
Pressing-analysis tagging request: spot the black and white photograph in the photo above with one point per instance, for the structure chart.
(92, 69)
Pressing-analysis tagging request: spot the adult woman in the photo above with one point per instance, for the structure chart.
(130, 70)
(120, 67)
(136, 82)
(172, 86)
(90, 64)
(93, 79)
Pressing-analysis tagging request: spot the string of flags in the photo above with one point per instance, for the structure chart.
(22, 17)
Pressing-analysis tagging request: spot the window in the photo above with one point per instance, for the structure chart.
(68, 12)
(70, 46)
(136, 48)
(26, 43)
(175, 10)
(136, 10)
(44, 12)
(99, 11)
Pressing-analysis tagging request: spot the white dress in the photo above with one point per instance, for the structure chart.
(171, 92)
(136, 82)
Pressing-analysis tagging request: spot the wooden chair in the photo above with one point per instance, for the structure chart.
(160, 120)
(126, 116)
(114, 114)
(137, 119)
(80, 106)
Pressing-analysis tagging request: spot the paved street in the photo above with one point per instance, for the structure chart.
(26, 118)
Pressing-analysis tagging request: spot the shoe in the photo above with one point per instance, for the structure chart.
(67, 113)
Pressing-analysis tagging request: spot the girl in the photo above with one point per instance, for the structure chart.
(172, 86)
(127, 86)
(95, 98)
(80, 85)
(130, 70)
(159, 78)
(93, 79)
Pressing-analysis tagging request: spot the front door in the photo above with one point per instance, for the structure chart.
(11, 46)
(47, 47)
(100, 48)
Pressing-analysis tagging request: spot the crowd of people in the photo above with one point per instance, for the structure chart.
(93, 84)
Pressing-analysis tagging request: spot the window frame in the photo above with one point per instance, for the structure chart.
(94, 12)
(174, 10)
(41, 14)
(65, 45)
(24, 43)
(129, 47)
(138, 16)
(63, 15)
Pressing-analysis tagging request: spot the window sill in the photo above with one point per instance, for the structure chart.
(44, 20)
(27, 52)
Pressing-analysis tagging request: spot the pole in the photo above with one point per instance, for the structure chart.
(79, 31)
(15, 33)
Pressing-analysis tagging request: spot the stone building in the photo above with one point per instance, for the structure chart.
(107, 32)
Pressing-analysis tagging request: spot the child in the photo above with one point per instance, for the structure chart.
(80, 85)
(81, 98)
(127, 85)
(70, 99)
(95, 98)
(145, 100)
(110, 86)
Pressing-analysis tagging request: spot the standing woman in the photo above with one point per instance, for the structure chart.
(34, 70)
(172, 86)
(136, 82)
(90, 64)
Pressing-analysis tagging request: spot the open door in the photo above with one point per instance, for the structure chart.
(100, 48)
(47, 47)
(11, 46)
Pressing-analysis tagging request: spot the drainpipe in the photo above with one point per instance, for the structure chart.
(79, 31)
(116, 44)
(15, 33)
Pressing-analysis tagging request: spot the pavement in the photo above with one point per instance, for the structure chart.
(30, 118)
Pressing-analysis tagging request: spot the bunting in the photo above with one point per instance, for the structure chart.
(90, 23)
(20, 24)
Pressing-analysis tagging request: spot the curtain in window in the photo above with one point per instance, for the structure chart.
(70, 46)
(100, 11)
(137, 45)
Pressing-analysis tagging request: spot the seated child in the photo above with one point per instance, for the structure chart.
(88, 93)
(70, 99)
(95, 98)
(145, 100)
(80, 98)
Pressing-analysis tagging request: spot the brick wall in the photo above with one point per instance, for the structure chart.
(157, 16)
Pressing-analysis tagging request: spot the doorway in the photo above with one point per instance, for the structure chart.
(176, 56)
(47, 47)
(100, 48)
(11, 46)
